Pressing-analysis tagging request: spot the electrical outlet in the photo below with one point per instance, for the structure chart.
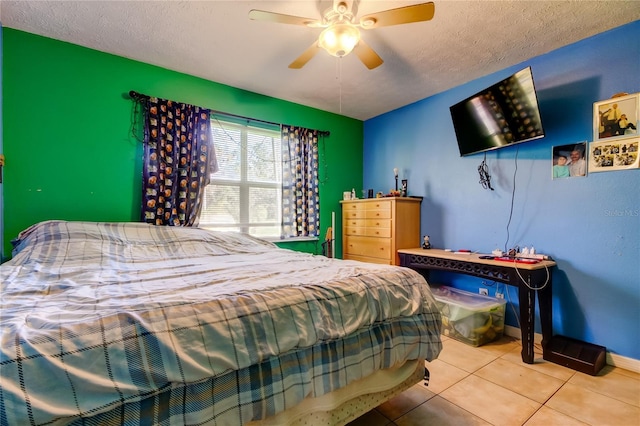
(499, 295)
(484, 291)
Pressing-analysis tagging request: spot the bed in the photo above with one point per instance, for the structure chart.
(129, 323)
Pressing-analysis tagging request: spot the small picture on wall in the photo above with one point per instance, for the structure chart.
(616, 118)
(569, 160)
(613, 155)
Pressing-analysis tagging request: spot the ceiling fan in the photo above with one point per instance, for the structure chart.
(341, 34)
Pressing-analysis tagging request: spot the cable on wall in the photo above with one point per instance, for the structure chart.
(513, 194)
(485, 177)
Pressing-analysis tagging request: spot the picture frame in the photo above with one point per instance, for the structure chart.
(610, 155)
(569, 160)
(616, 118)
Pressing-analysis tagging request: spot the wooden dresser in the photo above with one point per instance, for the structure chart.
(374, 229)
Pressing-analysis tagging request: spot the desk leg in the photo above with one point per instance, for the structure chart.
(527, 314)
(545, 306)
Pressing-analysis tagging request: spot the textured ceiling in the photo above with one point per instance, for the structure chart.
(216, 40)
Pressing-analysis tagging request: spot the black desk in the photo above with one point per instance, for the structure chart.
(529, 278)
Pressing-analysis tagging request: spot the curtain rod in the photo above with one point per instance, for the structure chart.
(139, 97)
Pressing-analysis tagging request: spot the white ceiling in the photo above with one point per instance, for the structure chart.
(216, 40)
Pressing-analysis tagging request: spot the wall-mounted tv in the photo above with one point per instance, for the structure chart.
(504, 114)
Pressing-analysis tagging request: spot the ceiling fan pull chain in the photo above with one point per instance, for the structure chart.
(340, 82)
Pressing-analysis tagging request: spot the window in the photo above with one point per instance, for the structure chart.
(246, 193)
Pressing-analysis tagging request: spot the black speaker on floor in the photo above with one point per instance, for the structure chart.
(576, 354)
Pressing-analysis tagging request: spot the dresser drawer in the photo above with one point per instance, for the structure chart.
(377, 223)
(355, 230)
(368, 259)
(376, 232)
(354, 221)
(354, 214)
(368, 246)
(378, 214)
(384, 205)
(354, 206)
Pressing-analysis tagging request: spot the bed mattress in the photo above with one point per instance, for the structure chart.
(105, 322)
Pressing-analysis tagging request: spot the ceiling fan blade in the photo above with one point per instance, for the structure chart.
(367, 55)
(306, 56)
(262, 15)
(402, 15)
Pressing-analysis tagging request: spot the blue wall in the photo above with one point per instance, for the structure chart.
(590, 225)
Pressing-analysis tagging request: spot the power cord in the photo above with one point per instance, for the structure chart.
(513, 196)
(483, 171)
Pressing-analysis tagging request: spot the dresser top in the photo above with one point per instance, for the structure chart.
(364, 200)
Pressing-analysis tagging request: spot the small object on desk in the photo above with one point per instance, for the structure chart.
(486, 257)
(517, 260)
(497, 253)
(447, 249)
(425, 242)
(463, 251)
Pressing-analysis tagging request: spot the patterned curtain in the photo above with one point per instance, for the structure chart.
(178, 157)
(300, 197)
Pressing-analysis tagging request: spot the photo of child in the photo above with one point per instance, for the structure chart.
(561, 169)
(569, 160)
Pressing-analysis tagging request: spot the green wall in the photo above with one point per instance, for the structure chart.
(67, 133)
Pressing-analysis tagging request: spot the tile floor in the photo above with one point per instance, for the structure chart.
(490, 385)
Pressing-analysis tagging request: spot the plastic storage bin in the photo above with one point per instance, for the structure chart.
(471, 318)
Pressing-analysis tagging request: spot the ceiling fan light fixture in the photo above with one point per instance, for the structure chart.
(339, 39)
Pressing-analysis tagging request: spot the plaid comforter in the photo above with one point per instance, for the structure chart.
(127, 323)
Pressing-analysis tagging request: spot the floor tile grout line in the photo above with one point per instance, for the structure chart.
(558, 411)
(564, 382)
(445, 399)
(599, 392)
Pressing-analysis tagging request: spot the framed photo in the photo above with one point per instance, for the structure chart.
(569, 160)
(620, 154)
(616, 118)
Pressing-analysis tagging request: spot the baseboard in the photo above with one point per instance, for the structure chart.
(613, 360)
(515, 333)
(623, 362)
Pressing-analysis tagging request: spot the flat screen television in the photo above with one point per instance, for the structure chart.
(504, 114)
